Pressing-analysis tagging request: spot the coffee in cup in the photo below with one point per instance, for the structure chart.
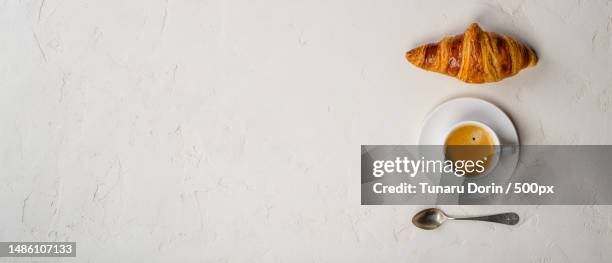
(472, 141)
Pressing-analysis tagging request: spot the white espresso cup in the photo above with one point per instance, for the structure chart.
(490, 132)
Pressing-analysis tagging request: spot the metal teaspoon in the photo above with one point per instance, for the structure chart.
(432, 218)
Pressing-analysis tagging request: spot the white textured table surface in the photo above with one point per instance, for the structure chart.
(229, 131)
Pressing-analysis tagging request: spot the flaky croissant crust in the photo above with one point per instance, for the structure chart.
(475, 56)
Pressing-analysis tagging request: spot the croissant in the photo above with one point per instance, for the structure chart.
(475, 56)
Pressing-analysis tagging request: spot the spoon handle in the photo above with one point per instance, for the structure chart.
(505, 218)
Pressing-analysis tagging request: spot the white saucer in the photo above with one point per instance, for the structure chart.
(447, 114)
(451, 112)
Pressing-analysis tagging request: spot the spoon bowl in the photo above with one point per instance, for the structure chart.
(430, 218)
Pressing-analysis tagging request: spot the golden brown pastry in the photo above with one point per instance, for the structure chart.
(475, 56)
